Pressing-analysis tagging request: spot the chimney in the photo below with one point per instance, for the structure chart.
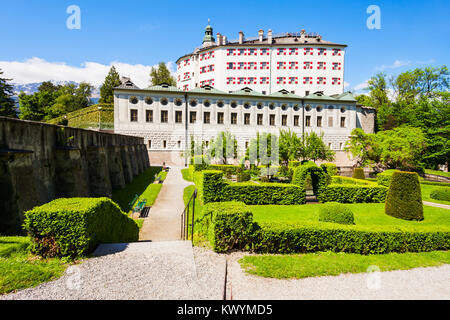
(261, 35)
(224, 40)
(269, 36)
(219, 39)
(241, 37)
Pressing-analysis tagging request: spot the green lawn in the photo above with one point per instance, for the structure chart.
(139, 186)
(426, 190)
(331, 264)
(19, 269)
(438, 173)
(367, 216)
(186, 175)
(199, 239)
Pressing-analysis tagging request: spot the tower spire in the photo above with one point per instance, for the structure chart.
(208, 39)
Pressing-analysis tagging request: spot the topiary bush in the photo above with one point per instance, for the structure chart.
(337, 213)
(358, 173)
(330, 169)
(74, 227)
(384, 178)
(318, 177)
(404, 198)
(353, 193)
(440, 194)
(228, 225)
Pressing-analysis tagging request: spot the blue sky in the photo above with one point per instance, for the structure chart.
(36, 44)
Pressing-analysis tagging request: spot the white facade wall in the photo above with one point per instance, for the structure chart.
(219, 57)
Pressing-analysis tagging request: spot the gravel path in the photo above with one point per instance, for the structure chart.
(137, 271)
(439, 205)
(420, 283)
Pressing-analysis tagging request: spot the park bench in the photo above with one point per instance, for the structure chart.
(131, 204)
(140, 207)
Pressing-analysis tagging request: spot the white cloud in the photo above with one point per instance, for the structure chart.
(361, 86)
(38, 70)
(395, 65)
(346, 84)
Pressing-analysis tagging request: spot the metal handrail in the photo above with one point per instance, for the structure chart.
(184, 234)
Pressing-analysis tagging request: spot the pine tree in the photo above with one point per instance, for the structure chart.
(161, 74)
(112, 80)
(7, 104)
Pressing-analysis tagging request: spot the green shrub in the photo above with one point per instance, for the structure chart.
(329, 168)
(384, 178)
(404, 198)
(353, 193)
(440, 194)
(294, 164)
(318, 177)
(358, 173)
(268, 171)
(337, 213)
(212, 188)
(74, 227)
(228, 225)
(243, 176)
(347, 180)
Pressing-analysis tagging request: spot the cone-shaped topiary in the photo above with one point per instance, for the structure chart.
(358, 173)
(404, 198)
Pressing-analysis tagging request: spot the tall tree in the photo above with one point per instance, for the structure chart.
(7, 103)
(223, 147)
(112, 80)
(161, 74)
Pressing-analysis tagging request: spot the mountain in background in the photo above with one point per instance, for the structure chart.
(30, 88)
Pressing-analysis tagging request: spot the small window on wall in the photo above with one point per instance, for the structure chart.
(247, 118)
(178, 102)
(308, 121)
(233, 118)
(164, 116)
(134, 100)
(178, 117)
(164, 101)
(342, 122)
(206, 117)
(179, 144)
(330, 121)
(220, 104)
(192, 117)
(259, 119)
(284, 120)
(272, 120)
(319, 122)
(148, 100)
(296, 119)
(149, 144)
(220, 117)
(133, 115)
(164, 144)
(149, 115)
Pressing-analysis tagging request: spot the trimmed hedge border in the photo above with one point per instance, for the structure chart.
(440, 194)
(73, 227)
(352, 193)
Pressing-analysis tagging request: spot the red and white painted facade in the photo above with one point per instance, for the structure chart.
(297, 62)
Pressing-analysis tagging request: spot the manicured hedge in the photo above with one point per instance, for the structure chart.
(213, 188)
(336, 213)
(358, 173)
(440, 194)
(318, 177)
(347, 180)
(404, 198)
(384, 178)
(353, 193)
(329, 168)
(228, 225)
(74, 227)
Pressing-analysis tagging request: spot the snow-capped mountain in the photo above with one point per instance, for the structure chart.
(30, 88)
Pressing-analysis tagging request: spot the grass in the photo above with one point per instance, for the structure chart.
(19, 269)
(438, 173)
(367, 216)
(199, 240)
(186, 175)
(426, 190)
(140, 223)
(331, 264)
(139, 185)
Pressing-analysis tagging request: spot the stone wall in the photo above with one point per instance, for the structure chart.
(41, 162)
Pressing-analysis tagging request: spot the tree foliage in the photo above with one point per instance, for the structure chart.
(162, 74)
(112, 80)
(7, 103)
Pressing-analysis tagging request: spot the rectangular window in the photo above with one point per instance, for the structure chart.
(247, 118)
(206, 117)
(342, 122)
(259, 119)
(308, 121)
(192, 117)
(178, 117)
(330, 121)
(264, 65)
(133, 115)
(233, 118)
(296, 118)
(219, 117)
(284, 120)
(164, 144)
(149, 144)
(149, 115)
(272, 120)
(264, 51)
(164, 116)
(319, 121)
(321, 65)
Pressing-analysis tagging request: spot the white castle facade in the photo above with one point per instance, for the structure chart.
(169, 118)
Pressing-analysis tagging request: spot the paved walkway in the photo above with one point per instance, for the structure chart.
(163, 222)
(438, 205)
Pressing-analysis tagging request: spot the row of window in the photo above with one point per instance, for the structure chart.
(280, 80)
(205, 69)
(281, 65)
(233, 118)
(283, 51)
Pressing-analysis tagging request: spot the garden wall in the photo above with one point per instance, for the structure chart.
(40, 162)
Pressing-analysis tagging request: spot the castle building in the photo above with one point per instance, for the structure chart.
(298, 62)
(169, 118)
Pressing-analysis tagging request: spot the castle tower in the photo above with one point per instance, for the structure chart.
(208, 39)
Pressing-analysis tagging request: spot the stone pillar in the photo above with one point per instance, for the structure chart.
(99, 181)
(116, 172)
(71, 178)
